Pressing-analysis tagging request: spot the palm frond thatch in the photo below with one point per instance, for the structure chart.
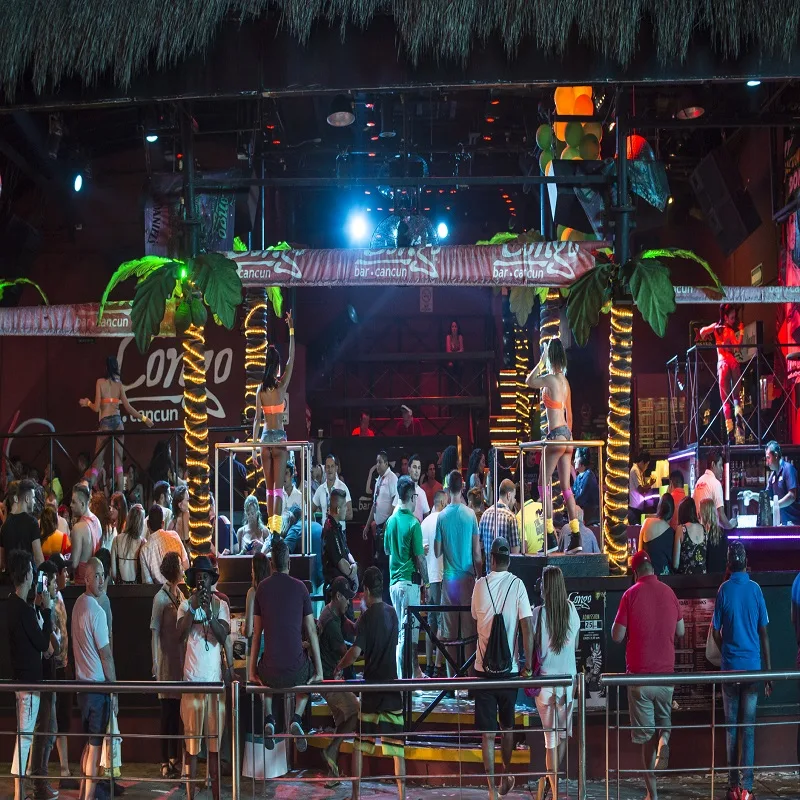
(53, 41)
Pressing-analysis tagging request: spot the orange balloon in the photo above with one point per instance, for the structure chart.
(566, 233)
(584, 107)
(565, 99)
(579, 91)
(561, 131)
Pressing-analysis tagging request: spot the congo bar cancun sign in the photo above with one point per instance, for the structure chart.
(510, 264)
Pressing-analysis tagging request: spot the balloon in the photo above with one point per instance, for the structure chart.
(549, 169)
(576, 236)
(579, 91)
(544, 137)
(564, 98)
(560, 230)
(590, 147)
(544, 159)
(573, 134)
(583, 107)
(559, 148)
(570, 154)
(565, 234)
(637, 145)
(595, 128)
(561, 131)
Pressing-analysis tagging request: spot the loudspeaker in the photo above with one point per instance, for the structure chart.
(727, 206)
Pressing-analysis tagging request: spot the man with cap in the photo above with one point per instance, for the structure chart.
(336, 557)
(500, 592)
(336, 632)
(408, 426)
(739, 628)
(204, 622)
(650, 616)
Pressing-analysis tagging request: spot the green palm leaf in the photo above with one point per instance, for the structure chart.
(275, 295)
(4, 284)
(217, 277)
(716, 290)
(653, 293)
(138, 268)
(586, 300)
(520, 301)
(239, 246)
(150, 302)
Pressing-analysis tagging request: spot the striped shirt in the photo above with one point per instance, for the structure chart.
(497, 520)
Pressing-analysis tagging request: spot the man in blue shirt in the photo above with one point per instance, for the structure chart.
(782, 483)
(585, 488)
(739, 628)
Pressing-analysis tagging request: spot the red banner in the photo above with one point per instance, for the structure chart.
(511, 264)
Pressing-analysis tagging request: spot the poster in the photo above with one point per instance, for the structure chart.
(690, 652)
(591, 608)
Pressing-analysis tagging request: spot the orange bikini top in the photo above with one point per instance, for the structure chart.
(109, 399)
(557, 404)
(277, 409)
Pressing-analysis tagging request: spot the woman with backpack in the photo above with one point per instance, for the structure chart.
(556, 628)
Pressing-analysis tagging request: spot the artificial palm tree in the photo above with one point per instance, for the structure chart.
(208, 282)
(6, 284)
(643, 281)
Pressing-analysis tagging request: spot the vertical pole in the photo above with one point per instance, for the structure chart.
(581, 736)
(713, 735)
(235, 742)
(521, 491)
(608, 748)
(622, 231)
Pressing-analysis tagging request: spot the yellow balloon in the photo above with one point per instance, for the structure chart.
(580, 91)
(549, 169)
(565, 98)
(566, 233)
(561, 131)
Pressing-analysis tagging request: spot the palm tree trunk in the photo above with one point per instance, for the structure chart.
(522, 402)
(255, 360)
(550, 328)
(619, 436)
(195, 425)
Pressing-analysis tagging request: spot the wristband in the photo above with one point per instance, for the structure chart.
(291, 331)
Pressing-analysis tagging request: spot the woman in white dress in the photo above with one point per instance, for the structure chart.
(556, 628)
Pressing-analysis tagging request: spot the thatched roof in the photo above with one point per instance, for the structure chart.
(47, 41)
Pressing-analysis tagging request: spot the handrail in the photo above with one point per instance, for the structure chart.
(683, 679)
(126, 432)
(115, 687)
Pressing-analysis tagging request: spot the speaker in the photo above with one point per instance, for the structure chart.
(727, 206)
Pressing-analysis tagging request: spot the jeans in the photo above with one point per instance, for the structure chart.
(44, 735)
(27, 713)
(740, 701)
(405, 594)
(435, 599)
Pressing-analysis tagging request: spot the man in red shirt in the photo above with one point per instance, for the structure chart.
(408, 426)
(650, 615)
(363, 429)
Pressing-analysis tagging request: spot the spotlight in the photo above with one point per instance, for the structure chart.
(341, 112)
(357, 228)
(441, 230)
(151, 138)
(77, 183)
(753, 82)
(689, 106)
(670, 200)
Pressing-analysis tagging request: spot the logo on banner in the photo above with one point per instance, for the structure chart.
(397, 263)
(281, 262)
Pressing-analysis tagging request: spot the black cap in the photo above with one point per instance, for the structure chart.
(58, 560)
(500, 546)
(342, 585)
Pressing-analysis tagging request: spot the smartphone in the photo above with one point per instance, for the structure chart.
(41, 583)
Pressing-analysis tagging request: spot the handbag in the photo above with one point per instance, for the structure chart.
(713, 654)
(536, 667)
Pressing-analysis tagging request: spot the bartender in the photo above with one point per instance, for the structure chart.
(782, 483)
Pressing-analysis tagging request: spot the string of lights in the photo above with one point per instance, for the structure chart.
(619, 436)
(522, 405)
(195, 425)
(255, 361)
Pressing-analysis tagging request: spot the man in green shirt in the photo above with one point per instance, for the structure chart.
(407, 567)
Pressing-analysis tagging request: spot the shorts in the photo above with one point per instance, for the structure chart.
(561, 430)
(271, 436)
(650, 708)
(493, 706)
(343, 706)
(111, 423)
(95, 714)
(388, 725)
(455, 625)
(286, 680)
(201, 714)
(63, 704)
(555, 712)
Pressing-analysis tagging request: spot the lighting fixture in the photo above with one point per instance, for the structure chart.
(442, 230)
(357, 227)
(151, 138)
(753, 82)
(670, 200)
(688, 106)
(77, 183)
(341, 112)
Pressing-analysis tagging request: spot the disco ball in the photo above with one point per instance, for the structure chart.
(418, 232)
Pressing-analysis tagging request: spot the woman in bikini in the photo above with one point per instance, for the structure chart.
(109, 393)
(557, 400)
(270, 404)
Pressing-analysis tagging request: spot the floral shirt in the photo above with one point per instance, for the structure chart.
(693, 556)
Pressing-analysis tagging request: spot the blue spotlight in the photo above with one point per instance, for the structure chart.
(357, 228)
(77, 184)
(442, 230)
(753, 82)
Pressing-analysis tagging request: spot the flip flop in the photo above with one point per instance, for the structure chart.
(269, 734)
(662, 759)
(506, 785)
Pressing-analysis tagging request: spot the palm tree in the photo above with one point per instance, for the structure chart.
(6, 284)
(208, 282)
(644, 281)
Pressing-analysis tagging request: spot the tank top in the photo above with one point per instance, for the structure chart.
(660, 552)
(96, 532)
(693, 556)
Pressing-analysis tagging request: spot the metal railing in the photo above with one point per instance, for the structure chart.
(711, 679)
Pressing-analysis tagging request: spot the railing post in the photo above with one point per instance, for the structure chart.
(581, 678)
(235, 742)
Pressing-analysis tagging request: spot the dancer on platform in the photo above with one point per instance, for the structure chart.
(270, 403)
(109, 393)
(728, 335)
(557, 400)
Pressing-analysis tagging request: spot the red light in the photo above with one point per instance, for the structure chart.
(490, 120)
(487, 137)
(452, 191)
(369, 105)
(427, 191)
(508, 200)
(511, 208)
(427, 209)
(371, 123)
(441, 191)
(270, 126)
(179, 155)
(276, 141)
(495, 101)
(371, 155)
(374, 138)
(505, 197)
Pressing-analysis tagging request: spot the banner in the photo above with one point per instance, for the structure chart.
(591, 608)
(510, 264)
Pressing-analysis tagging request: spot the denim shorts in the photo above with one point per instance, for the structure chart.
(561, 430)
(95, 713)
(112, 423)
(271, 436)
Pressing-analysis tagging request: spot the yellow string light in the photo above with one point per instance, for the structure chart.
(615, 497)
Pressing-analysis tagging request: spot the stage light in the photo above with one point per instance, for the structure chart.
(77, 183)
(341, 112)
(753, 82)
(670, 200)
(151, 138)
(357, 227)
(442, 230)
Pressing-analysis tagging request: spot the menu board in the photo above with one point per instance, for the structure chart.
(690, 652)
(591, 608)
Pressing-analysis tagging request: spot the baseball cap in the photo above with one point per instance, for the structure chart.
(638, 558)
(342, 585)
(500, 546)
(406, 408)
(737, 557)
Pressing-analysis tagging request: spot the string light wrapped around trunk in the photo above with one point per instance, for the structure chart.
(522, 404)
(195, 425)
(255, 361)
(619, 436)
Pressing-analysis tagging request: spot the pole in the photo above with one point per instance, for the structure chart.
(623, 209)
(581, 735)
(235, 742)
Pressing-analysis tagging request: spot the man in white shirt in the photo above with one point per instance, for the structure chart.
(204, 623)
(638, 487)
(421, 507)
(158, 544)
(384, 498)
(434, 593)
(323, 494)
(500, 592)
(709, 487)
(292, 495)
(94, 661)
